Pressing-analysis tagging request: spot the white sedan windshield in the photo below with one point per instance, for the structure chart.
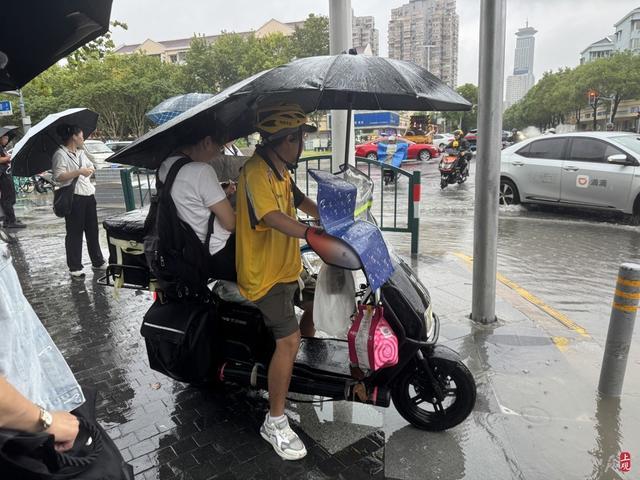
(630, 141)
(97, 148)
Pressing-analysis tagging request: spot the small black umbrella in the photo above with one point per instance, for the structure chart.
(32, 154)
(35, 34)
(10, 130)
(315, 83)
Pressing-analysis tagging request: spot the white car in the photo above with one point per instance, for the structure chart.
(596, 170)
(98, 153)
(441, 140)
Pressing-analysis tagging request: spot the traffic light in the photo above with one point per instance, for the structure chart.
(593, 97)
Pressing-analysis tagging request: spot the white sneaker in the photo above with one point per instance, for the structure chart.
(77, 273)
(285, 441)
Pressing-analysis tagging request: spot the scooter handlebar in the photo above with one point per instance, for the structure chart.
(332, 250)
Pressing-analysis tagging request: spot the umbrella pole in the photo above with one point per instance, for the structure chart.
(347, 141)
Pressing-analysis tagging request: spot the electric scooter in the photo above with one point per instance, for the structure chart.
(430, 386)
(453, 167)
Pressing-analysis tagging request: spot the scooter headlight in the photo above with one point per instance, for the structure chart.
(312, 262)
(428, 321)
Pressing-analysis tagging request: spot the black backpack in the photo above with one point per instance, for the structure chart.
(175, 254)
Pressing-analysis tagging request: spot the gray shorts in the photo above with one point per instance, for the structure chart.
(277, 308)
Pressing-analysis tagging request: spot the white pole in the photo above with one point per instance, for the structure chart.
(340, 40)
(493, 14)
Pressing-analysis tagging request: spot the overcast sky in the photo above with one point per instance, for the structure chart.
(565, 27)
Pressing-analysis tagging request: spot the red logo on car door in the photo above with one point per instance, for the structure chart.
(582, 181)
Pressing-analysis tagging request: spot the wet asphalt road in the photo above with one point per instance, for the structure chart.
(568, 258)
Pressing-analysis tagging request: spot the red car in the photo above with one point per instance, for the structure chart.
(421, 151)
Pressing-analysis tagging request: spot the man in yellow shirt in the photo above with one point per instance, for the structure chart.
(268, 253)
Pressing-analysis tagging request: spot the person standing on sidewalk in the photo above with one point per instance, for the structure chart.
(70, 162)
(7, 191)
(268, 254)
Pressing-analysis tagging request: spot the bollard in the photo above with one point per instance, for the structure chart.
(623, 317)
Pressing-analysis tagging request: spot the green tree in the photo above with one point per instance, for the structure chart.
(465, 120)
(199, 74)
(312, 38)
(122, 88)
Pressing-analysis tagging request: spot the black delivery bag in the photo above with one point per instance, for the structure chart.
(180, 339)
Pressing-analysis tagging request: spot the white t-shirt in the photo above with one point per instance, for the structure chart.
(195, 189)
(65, 161)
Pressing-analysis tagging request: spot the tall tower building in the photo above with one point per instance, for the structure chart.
(426, 32)
(522, 79)
(365, 33)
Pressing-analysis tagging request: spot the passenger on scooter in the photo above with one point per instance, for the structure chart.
(197, 194)
(268, 255)
(460, 144)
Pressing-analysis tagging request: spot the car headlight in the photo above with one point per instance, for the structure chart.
(428, 321)
(312, 262)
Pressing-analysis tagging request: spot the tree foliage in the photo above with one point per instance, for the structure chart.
(311, 39)
(565, 92)
(465, 120)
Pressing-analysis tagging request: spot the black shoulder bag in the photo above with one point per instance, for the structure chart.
(63, 197)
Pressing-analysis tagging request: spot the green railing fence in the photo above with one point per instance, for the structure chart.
(396, 206)
(138, 184)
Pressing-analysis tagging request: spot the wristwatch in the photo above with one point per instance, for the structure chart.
(46, 419)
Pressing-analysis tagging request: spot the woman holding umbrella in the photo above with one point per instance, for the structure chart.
(70, 164)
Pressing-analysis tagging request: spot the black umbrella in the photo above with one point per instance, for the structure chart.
(315, 83)
(35, 34)
(10, 130)
(32, 154)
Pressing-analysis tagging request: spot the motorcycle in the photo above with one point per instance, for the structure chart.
(453, 167)
(43, 182)
(430, 386)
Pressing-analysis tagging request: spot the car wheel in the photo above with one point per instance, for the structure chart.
(372, 156)
(508, 192)
(424, 155)
(635, 216)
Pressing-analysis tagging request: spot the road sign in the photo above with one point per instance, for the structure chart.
(6, 108)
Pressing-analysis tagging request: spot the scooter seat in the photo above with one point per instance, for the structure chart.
(229, 292)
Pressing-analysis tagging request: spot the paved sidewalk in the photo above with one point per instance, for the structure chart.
(537, 414)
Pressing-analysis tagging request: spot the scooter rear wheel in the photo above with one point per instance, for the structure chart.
(414, 399)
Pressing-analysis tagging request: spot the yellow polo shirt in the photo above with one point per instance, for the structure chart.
(264, 256)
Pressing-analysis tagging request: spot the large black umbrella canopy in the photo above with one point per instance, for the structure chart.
(344, 81)
(35, 34)
(33, 153)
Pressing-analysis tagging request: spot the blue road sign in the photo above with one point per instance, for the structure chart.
(5, 108)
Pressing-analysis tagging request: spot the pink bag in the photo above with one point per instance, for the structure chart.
(372, 343)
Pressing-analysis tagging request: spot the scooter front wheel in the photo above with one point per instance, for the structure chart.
(443, 183)
(415, 399)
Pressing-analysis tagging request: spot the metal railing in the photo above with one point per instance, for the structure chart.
(137, 194)
(396, 205)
